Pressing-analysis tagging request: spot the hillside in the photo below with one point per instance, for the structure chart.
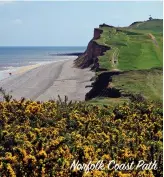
(155, 25)
(136, 48)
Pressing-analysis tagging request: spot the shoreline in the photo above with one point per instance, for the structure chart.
(26, 68)
(46, 82)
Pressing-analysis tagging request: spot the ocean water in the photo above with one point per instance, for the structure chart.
(12, 58)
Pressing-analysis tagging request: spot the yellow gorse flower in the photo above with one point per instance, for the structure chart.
(44, 138)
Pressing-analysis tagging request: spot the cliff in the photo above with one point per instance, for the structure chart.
(90, 56)
(118, 52)
(105, 25)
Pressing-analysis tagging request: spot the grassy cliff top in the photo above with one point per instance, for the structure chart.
(137, 52)
(138, 46)
(155, 25)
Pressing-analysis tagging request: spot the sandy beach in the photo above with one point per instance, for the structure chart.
(25, 69)
(48, 81)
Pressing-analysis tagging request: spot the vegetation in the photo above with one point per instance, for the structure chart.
(138, 46)
(154, 25)
(43, 139)
(145, 82)
(137, 53)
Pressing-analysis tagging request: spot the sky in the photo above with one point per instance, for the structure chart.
(67, 23)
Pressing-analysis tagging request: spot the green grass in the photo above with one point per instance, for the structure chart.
(101, 101)
(155, 25)
(137, 55)
(148, 83)
(136, 49)
(145, 82)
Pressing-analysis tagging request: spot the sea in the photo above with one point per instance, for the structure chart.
(13, 58)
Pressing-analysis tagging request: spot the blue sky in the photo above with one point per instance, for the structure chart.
(66, 23)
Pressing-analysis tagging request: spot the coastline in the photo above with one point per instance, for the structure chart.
(24, 69)
(45, 82)
(4, 74)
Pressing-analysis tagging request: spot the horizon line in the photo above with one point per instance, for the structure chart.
(44, 46)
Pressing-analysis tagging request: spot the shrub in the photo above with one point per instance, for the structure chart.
(44, 138)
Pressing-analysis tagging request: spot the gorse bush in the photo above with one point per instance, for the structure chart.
(42, 139)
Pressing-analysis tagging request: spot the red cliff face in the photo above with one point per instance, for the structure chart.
(97, 33)
(94, 50)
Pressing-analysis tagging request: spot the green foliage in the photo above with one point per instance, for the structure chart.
(145, 82)
(43, 138)
(137, 50)
(7, 97)
(154, 25)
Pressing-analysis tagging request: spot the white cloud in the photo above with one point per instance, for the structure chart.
(17, 21)
(5, 2)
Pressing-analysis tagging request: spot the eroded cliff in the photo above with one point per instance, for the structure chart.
(90, 56)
